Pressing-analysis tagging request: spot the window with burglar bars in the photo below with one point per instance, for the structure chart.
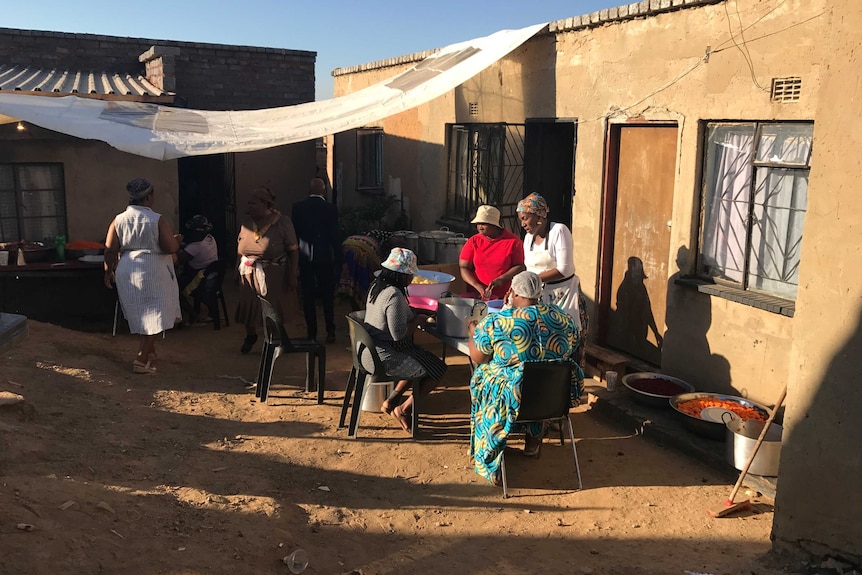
(32, 202)
(486, 166)
(755, 195)
(369, 158)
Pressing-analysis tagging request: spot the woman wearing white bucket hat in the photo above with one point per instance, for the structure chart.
(390, 321)
(490, 259)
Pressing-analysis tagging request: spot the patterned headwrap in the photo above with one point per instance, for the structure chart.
(199, 223)
(401, 260)
(527, 284)
(139, 188)
(534, 204)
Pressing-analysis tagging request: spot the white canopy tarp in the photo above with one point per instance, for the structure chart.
(164, 133)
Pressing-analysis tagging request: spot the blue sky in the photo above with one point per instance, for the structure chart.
(342, 32)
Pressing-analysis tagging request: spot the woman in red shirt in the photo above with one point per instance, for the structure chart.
(491, 258)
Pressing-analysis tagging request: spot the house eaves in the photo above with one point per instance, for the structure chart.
(642, 9)
(27, 80)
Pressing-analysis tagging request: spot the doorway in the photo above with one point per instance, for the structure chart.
(638, 208)
(549, 164)
(207, 187)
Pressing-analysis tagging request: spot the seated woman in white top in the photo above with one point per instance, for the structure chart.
(196, 255)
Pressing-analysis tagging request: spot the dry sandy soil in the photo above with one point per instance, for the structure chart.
(184, 473)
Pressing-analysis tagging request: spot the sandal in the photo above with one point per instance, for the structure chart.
(535, 450)
(140, 367)
(247, 344)
(385, 407)
(403, 418)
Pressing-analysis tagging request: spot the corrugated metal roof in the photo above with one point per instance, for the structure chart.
(28, 79)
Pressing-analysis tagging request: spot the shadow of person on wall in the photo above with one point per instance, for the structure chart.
(634, 314)
(688, 317)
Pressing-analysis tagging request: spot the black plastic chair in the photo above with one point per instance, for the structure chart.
(546, 397)
(276, 343)
(210, 293)
(360, 380)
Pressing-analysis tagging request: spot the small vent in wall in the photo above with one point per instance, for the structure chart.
(786, 89)
(474, 109)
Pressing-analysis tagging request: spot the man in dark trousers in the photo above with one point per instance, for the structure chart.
(316, 223)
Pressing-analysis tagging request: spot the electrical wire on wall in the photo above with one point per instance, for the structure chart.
(727, 44)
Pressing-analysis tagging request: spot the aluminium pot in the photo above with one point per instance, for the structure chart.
(406, 239)
(448, 250)
(454, 312)
(427, 246)
(740, 441)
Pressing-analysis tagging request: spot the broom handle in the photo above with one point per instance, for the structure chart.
(758, 442)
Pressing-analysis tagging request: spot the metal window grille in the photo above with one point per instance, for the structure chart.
(486, 166)
(32, 202)
(369, 152)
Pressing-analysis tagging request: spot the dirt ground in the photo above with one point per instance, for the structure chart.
(185, 473)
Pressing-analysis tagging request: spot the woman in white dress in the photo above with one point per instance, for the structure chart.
(548, 253)
(138, 261)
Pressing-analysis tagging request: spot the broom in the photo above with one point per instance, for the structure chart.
(729, 506)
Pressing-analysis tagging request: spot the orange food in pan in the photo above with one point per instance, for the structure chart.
(693, 407)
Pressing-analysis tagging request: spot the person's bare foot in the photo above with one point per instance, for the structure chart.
(402, 417)
(385, 407)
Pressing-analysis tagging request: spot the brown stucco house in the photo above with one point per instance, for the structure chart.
(80, 183)
(704, 154)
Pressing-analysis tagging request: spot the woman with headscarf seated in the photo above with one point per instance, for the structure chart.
(360, 259)
(491, 258)
(528, 330)
(391, 322)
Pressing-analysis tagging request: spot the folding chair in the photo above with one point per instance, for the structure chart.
(545, 397)
(210, 293)
(276, 343)
(360, 380)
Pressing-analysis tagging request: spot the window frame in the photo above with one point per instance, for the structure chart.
(59, 193)
(369, 172)
(743, 290)
(485, 165)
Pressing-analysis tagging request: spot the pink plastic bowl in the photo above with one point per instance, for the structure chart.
(420, 302)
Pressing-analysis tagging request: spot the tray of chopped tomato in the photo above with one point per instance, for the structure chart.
(707, 413)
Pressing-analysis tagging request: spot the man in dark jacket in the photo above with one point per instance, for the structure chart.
(316, 223)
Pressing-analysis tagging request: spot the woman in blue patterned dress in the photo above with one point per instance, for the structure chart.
(500, 344)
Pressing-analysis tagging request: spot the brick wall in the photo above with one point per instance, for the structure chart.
(208, 76)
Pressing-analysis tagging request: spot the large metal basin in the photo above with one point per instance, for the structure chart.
(711, 423)
(453, 314)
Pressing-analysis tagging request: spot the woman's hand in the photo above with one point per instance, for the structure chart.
(109, 279)
(492, 285)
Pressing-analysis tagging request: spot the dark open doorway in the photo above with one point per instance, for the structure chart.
(549, 164)
(207, 187)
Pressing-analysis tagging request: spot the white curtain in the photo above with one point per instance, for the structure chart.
(728, 185)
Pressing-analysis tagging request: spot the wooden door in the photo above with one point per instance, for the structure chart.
(635, 288)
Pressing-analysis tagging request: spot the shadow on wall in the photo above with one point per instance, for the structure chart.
(817, 507)
(685, 352)
(634, 316)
